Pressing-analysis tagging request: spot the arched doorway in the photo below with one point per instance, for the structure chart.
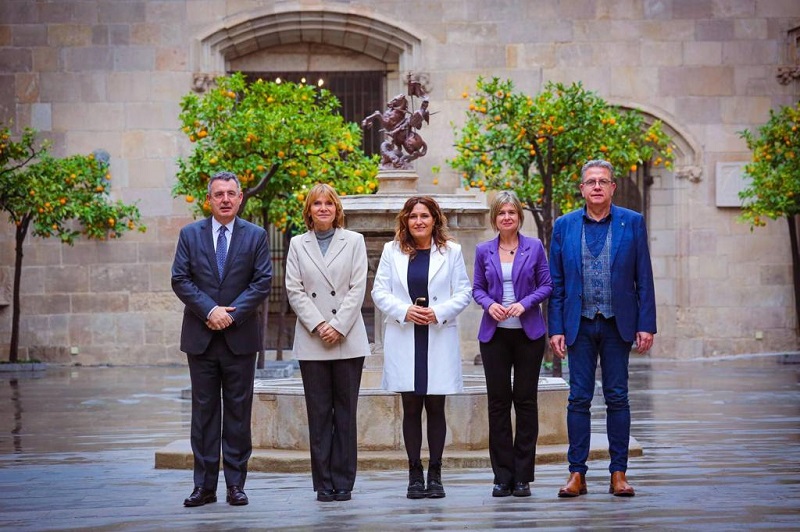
(665, 201)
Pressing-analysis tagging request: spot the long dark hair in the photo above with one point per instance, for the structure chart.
(402, 235)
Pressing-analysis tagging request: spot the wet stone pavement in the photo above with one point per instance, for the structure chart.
(721, 445)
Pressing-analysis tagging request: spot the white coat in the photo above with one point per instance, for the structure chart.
(449, 292)
(330, 289)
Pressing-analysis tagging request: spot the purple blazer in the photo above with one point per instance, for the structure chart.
(530, 275)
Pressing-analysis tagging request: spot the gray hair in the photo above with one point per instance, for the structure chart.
(224, 176)
(598, 163)
(505, 197)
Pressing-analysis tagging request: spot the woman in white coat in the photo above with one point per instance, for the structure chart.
(421, 286)
(326, 280)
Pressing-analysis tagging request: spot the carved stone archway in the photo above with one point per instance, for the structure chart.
(385, 40)
(669, 227)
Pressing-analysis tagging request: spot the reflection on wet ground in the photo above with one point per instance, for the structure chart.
(721, 441)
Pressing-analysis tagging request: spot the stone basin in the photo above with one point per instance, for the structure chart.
(280, 423)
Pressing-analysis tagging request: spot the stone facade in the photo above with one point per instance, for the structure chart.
(110, 74)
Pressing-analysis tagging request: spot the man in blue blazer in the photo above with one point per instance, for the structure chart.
(222, 272)
(603, 301)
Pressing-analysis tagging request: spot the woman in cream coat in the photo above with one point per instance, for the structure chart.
(421, 286)
(326, 280)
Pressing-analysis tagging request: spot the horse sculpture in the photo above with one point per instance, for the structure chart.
(403, 143)
(391, 118)
(406, 135)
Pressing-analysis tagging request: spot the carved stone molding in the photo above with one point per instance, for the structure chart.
(786, 74)
(201, 82)
(693, 173)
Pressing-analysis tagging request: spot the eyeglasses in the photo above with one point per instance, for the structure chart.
(594, 182)
(221, 194)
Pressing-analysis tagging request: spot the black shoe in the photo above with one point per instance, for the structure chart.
(416, 481)
(341, 495)
(435, 489)
(325, 495)
(501, 490)
(236, 496)
(199, 497)
(522, 489)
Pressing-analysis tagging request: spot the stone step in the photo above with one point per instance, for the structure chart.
(178, 455)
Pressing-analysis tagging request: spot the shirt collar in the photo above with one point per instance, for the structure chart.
(215, 225)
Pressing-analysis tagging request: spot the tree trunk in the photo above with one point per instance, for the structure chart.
(794, 221)
(21, 232)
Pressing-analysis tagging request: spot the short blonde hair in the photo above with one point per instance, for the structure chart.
(505, 197)
(328, 192)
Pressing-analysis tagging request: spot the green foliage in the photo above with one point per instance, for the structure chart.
(279, 139)
(774, 188)
(60, 197)
(536, 145)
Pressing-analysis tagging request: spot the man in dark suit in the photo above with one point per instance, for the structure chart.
(222, 273)
(603, 300)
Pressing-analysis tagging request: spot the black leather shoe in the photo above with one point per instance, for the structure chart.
(199, 497)
(236, 496)
(325, 495)
(501, 490)
(341, 495)
(522, 489)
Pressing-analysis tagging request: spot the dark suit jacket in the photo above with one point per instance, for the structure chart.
(529, 275)
(247, 281)
(632, 291)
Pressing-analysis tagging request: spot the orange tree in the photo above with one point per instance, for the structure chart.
(774, 188)
(279, 139)
(57, 197)
(536, 145)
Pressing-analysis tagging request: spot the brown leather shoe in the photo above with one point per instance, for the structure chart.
(619, 485)
(576, 485)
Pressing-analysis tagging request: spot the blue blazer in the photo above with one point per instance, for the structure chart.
(632, 291)
(246, 283)
(529, 275)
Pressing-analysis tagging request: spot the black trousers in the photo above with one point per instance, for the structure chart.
(211, 372)
(331, 391)
(413, 404)
(513, 455)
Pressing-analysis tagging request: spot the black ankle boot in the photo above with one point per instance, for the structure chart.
(416, 481)
(435, 489)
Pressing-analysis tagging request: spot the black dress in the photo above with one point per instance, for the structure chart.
(418, 287)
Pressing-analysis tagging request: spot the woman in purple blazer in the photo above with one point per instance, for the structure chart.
(512, 278)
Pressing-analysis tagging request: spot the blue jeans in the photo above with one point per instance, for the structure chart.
(598, 336)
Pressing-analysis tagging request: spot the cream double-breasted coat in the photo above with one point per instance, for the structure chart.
(449, 292)
(331, 289)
